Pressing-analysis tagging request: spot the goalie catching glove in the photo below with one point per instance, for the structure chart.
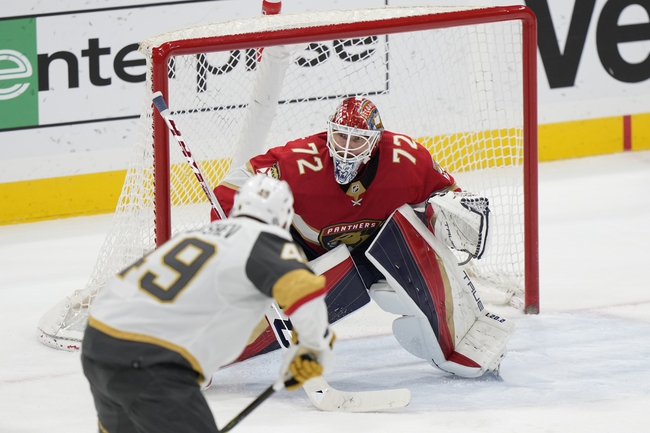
(302, 362)
(460, 220)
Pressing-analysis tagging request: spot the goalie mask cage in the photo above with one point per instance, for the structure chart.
(460, 80)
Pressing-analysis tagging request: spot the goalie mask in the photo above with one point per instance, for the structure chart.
(352, 134)
(266, 199)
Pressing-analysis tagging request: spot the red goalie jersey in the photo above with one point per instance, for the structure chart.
(327, 213)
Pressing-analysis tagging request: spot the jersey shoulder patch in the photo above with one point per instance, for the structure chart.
(271, 258)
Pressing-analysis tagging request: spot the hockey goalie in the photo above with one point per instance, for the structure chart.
(355, 186)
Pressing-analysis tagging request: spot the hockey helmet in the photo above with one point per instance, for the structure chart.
(265, 198)
(352, 134)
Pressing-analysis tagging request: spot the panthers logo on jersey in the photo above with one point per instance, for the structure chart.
(350, 234)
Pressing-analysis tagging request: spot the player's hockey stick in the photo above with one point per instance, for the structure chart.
(326, 398)
(161, 106)
(329, 399)
(268, 392)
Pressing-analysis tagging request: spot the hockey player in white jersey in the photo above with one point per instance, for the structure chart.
(165, 324)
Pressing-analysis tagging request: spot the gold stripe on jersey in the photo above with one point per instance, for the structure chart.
(141, 338)
(230, 185)
(307, 232)
(297, 287)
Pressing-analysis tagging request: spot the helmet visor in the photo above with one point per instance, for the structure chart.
(348, 144)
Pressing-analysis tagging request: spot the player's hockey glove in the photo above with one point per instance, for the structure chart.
(302, 363)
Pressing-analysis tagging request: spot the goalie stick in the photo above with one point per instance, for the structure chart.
(320, 393)
(161, 106)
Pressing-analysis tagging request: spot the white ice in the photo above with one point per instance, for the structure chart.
(582, 365)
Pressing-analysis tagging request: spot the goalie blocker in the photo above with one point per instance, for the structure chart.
(443, 319)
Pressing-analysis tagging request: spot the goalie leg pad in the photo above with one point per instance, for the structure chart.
(414, 334)
(485, 342)
(446, 322)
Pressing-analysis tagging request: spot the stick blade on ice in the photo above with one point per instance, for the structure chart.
(326, 398)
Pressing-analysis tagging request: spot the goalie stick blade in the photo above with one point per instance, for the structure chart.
(326, 398)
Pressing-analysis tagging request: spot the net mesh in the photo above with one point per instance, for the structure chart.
(457, 90)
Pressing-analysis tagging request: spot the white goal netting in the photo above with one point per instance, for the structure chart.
(458, 88)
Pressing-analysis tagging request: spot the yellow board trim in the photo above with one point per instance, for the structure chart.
(580, 138)
(641, 131)
(496, 148)
(98, 193)
(60, 197)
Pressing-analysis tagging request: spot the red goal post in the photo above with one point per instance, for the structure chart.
(461, 80)
(439, 18)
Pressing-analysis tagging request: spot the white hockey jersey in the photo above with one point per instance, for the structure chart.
(196, 299)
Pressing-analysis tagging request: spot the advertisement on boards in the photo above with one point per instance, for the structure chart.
(71, 81)
(71, 78)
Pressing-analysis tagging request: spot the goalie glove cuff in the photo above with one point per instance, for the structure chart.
(460, 220)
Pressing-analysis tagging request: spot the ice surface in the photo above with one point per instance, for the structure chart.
(582, 365)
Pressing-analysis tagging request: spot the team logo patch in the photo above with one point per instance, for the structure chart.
(350, 234)
(441, 170)
(272, 171)
(354, 191)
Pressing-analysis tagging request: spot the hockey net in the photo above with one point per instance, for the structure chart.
(460, 80)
